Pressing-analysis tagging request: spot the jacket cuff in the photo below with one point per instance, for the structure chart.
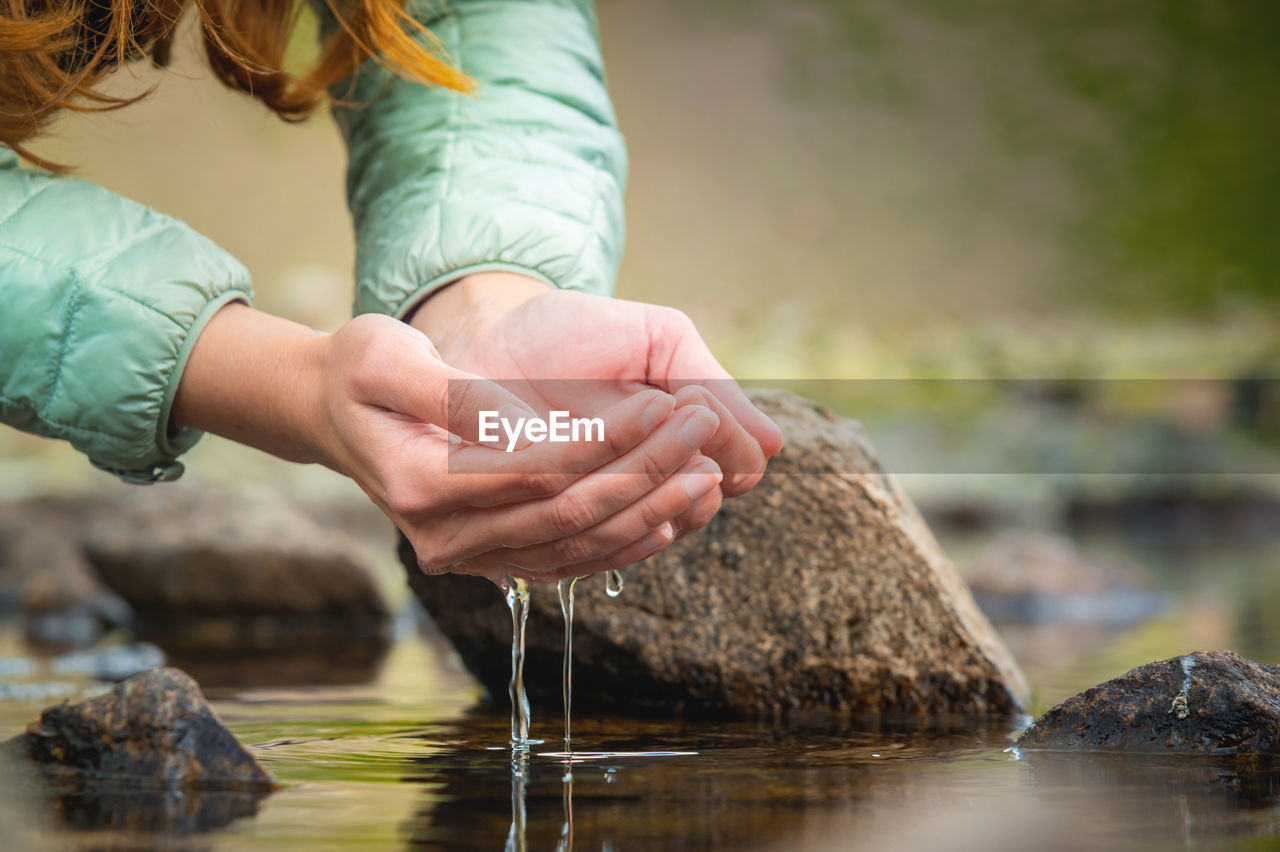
(415, 298)
(176, 442)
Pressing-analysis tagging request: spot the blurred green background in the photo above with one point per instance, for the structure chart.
(832, 190)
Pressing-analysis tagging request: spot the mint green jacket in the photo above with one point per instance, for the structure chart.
(102, 299)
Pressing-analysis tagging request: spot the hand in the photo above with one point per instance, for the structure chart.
(528, 337)
(371, 401)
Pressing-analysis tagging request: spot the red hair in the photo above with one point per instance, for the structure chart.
(55, 53)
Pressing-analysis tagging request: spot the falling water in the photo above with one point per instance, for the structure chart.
(565, 589)
(517, 593)
(613, 583)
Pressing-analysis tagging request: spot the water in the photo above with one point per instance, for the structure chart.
(410, 754)
(564, 588)
(517, 595)
(613, 583)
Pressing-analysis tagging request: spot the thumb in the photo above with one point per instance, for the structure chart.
(423, 387)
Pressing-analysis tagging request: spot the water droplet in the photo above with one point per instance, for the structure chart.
(613, 583)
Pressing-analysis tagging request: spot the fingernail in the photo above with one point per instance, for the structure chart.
(698, 428)
(657, 411)
(658, 537)
(699, 485)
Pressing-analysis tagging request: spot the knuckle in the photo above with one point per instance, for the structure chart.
(432, 558)
(651, 517)
(372, 363)
(539, 483)
(651, 468)
(570, 514)
(405, 499)
(435, 558)
(571, 550)
(453, 398)
(399, 502)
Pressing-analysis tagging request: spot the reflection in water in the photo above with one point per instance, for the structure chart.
(517, 840)
(777, 787)
(661, 783)
(163, 812)
(565, 843)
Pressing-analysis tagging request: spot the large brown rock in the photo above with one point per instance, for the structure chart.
(820, 589)
(1213, 702)
(152, 731)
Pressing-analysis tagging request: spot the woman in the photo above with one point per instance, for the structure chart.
(485, 178)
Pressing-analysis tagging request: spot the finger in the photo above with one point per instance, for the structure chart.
(484, 475)
(586, 502)
(699, 514)
(735, 451)
(678, 357)
(637, 551)
(686, 488)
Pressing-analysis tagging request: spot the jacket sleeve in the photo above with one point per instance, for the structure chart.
(101, 300)
(526, 175)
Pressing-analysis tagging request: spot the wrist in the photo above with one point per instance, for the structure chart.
(256, 379)
(459, 309)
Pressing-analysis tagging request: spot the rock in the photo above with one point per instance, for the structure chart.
(1213, 702)
(1033, 577)
(210, 569)
(44, 575)
(152, 731)
(821, 589)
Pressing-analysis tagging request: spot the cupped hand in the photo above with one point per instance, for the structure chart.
(388, 404)
(565, 350)
(374, 400)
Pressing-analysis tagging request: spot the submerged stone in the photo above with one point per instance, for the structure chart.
(153, 731)
(1210, 702)
(821, 589)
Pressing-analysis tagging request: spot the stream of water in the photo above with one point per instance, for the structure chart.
(564, 589)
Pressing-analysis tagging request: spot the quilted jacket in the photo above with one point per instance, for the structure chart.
(102, 299)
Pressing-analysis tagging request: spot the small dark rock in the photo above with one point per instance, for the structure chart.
(153, 731)
(1208, 702)
(821, 589)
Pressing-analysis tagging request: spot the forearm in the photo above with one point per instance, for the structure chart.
(254, 378)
